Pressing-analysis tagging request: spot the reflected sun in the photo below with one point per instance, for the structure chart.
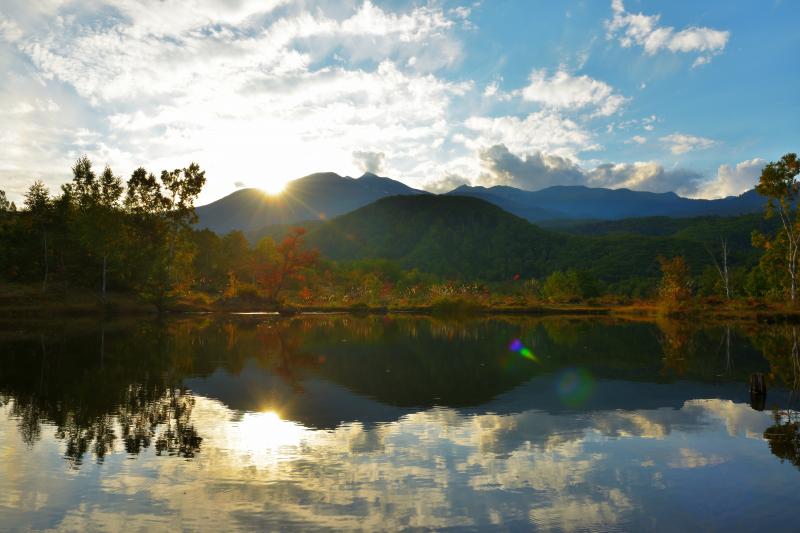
(257, 433)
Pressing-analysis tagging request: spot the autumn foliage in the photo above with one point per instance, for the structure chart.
(285, 264)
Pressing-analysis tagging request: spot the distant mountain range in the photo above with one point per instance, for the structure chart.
(327, 195)
(578, 202)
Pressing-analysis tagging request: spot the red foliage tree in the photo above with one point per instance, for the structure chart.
(287, 264)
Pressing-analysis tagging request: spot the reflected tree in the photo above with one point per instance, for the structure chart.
(784, 437)
(677, 344)
(780, 346)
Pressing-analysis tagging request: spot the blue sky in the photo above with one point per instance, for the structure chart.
(685, 96)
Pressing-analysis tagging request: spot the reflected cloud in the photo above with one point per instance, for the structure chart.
(405, 425)
(432, 469)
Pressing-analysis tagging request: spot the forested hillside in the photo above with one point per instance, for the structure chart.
(468, 238)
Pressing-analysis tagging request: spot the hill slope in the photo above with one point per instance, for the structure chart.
(468, 238)
(314, 197)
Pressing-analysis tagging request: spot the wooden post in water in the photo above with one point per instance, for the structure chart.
(758, 391)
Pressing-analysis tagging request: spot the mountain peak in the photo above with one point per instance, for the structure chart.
(321, 176)
(370, 175)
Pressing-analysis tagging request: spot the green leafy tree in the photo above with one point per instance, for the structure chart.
(570, 286)
(778, 182)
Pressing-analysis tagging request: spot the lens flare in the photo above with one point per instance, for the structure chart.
(575, 386)
(517, 346)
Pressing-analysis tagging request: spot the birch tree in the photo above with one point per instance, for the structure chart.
(778, 183)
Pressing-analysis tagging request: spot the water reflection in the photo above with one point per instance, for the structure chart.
(338, 422)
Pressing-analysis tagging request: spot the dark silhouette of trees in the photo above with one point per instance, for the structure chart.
(39, 205)
(97, 208)
(5, 205)
(161, 213)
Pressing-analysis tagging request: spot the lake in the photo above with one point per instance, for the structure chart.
(337, 422)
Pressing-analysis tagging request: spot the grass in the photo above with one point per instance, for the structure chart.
(28, 301)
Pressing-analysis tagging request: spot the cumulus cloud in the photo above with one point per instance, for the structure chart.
(636, 139)
(305, 82)
(733, 180)
(298, 85)
(644, 30)
(531, 172)
(546, 131)
(369, 161)
(538, 170)
(644, 176)
(680, 143)
(564, 91)
(446, 183)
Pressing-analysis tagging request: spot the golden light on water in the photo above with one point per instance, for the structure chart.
(265, 434)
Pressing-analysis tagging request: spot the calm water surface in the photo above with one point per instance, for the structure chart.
(381, 423)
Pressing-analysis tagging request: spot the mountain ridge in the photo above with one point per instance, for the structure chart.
(318, 196)
(326, 195)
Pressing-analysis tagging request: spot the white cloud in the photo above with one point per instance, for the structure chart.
(644, 176)
(680, 143)
(530, 172)
(637, 139)
(564, 91)
(733, 180)
(270, 90)
(537, 170)
(226, 83)
(372, 162)
(644, 30)
(9, 30)
(545, 131)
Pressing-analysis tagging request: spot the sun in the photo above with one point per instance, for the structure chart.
(273, 188)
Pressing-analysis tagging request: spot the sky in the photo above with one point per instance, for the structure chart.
(690, 96)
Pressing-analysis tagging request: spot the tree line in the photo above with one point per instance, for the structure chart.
(100, 233)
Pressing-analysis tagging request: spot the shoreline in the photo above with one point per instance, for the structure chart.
(129, 306)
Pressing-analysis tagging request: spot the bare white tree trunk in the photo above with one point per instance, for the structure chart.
(723, 270)
(793, 243)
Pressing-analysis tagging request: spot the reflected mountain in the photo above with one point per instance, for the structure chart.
(136, 383)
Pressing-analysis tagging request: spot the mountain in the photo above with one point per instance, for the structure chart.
(579, 202)
(467, 238)
(315, 197)
(450, 235)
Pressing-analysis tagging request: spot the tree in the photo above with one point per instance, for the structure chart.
(162, 212)
(290, 258)
(38, 204)
(5, 205)
(722, 270)
(778, 182)
(675, 287)
(98, 209)
(570, 286)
